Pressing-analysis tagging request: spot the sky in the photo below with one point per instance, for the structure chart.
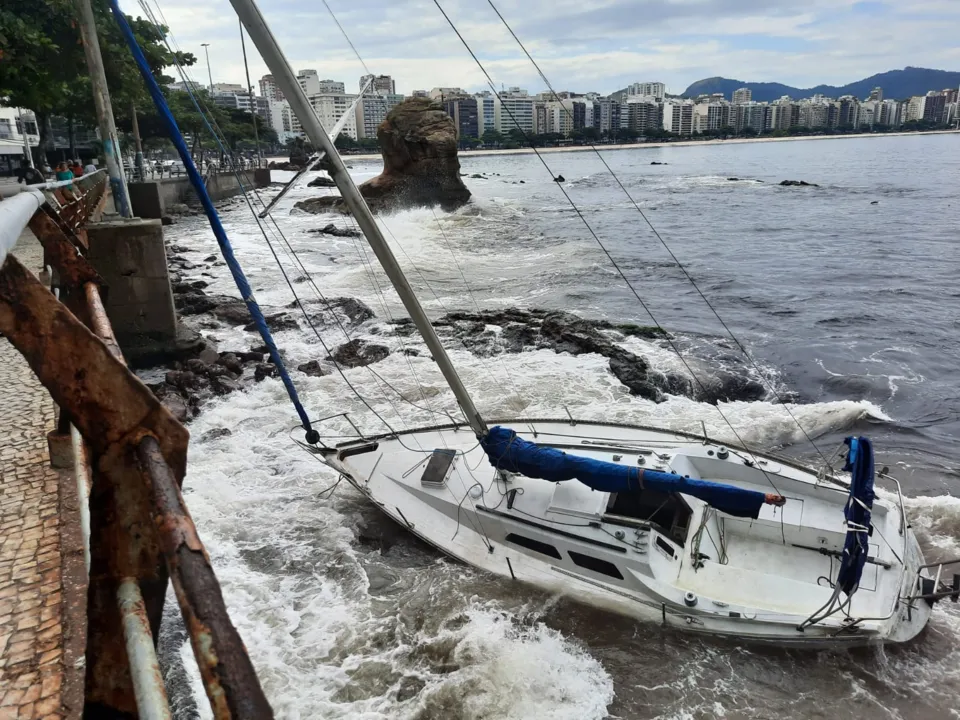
(581, 45)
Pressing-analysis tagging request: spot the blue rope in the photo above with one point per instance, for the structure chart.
(242, 285)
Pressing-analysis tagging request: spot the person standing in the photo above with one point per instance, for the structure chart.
(89, 168)
(29, 175)
(76, 168)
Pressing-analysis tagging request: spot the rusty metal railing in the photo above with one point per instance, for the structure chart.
(140, 531)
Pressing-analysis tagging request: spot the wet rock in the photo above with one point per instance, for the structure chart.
(180, 249)
(797, 183)
(418, 141)
(178, 209)
(654, 162)
(184, 380)
(232, 363)
(345, 310)
(215, 433)
(559, 178)
(252, 356)
(359, 353)
(234, 312)
(265, 370)
(477, 176)
(276, 323)
(322, 181)
(313, 369)
(223, 384)
(166, 220)
(210, 258)
(285, 166)
(412, 352)
(874, 202)
(197, 303)
(177, 406)
(332, 229)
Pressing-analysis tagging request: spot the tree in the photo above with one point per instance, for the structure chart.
(492, 137)
(43, 67)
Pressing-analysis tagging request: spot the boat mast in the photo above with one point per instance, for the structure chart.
(272, 55)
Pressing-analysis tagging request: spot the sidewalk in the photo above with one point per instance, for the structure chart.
(31, 598)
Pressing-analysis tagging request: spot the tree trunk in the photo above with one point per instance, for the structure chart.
(46, 146)
(72, 136)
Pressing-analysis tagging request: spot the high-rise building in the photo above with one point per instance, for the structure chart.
(786, 113)
(281, 119)
(641, 113)
(486, 112)
(463, 110)
(442, 93)
(889, 112)
(710, 115)
(914, 109)
(313, 85)
(876, 94)
(932, 107)
(227, 88)
(609, 115)
(648, 89)
(742, 95)
(420, 94)
(848, 112)
(269, 89)
(382, 84)
(678, 117)
(330, 107)
(814, 112)
(372, 110)
(514, 109)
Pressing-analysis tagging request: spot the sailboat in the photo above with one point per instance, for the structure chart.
(664, 526)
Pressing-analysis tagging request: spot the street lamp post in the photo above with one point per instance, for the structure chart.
(205, 47)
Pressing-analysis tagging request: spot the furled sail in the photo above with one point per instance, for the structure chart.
(510, 453)
(858, 512)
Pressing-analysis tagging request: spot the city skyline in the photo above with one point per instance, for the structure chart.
(679, 42)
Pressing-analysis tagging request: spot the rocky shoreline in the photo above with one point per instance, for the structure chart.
(188, 382)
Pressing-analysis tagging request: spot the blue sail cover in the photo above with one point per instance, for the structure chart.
(510, 453)
(859, 529)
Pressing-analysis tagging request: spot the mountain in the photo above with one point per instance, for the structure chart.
(896, 84)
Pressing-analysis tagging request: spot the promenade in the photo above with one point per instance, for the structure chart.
(32, 607)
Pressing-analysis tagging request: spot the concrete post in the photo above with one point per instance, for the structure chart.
(138, 162)
(101, 99)
(130, 255)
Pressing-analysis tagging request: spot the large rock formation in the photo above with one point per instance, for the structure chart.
(418, 141)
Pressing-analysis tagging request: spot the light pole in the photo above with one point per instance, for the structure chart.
(209, 71)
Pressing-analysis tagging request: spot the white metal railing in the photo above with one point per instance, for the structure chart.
(15, 213)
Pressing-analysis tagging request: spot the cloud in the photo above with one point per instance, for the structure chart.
(581, 45)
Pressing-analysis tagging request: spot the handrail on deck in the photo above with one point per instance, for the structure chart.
(140, 531)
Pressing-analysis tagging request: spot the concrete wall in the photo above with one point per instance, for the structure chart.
(220, 186)
(129, 254)
(153, 199)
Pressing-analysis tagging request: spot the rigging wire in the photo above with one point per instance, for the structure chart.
(600, 243)
(659, 237)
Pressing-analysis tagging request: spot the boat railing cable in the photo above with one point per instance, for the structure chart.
(770, 383)
(602, 246)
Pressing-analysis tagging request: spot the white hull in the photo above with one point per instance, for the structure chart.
(658, 559)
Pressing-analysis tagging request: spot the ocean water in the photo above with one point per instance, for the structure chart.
(845, 296)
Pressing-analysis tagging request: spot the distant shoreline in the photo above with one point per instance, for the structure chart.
(681, 143)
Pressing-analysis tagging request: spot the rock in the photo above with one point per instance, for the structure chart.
(215, 433)
(559, 178)
(874, 202)
(210, 258)
(265, 370)
(523, 182)
(322, 181)
(184, 380)
(177, 406)
(332, 229)
(477, 176)
(284, 166)
(232, 363)
(223, 384)
(797, 183)
(410, 687)
(276, 323)
(194, 304)
(179, 209)
(412, 352)
(418, 141)
(313, 369)
(166, 220)
(344, 310)
(252, 356)
(359, 353)
(234, 312)
(180, 249)
(654, 162)
(734, 179)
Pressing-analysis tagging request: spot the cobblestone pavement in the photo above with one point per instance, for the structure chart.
(31, 642)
